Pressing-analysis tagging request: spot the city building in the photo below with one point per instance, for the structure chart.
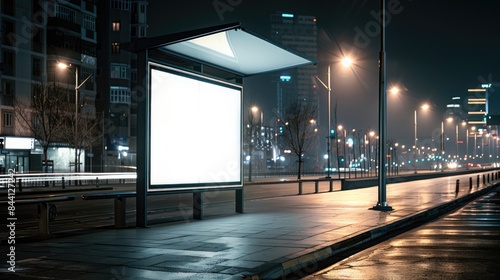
(483, 120)
(121, 21)
(39, 36)
(36, 36)
(476, 106)
(299, 33)
(456, 110)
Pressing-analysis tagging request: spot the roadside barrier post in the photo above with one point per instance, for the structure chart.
(457, 186)
(62, 182)
(478, 181)
(300, 187)
(97, 182)
(331, 185)
(316, 187)
(484, 179)
(470, 182)
(20, 184)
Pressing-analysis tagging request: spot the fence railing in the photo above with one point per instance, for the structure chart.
(65, 179)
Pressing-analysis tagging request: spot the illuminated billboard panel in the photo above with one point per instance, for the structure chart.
(195, 130)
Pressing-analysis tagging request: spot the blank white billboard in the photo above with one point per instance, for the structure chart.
(195, 133)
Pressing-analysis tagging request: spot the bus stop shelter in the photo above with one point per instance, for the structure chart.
(189, 83)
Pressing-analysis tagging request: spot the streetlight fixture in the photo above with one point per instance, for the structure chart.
(77, 87)
(450, 120)
(424, 107)
(347, 62)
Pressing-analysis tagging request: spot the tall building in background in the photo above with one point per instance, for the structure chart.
(299, 33)
(477, 106)
(482, 109)
(455, 110)
(120, 21)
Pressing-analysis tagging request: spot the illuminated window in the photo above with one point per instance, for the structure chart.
(116, 26)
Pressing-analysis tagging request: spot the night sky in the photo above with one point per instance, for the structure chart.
(435, 50)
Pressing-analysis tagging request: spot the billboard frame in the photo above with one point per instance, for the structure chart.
(153, 65)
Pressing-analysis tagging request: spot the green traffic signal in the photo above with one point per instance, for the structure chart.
(332, 134)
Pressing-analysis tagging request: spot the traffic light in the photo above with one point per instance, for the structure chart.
(332, 133)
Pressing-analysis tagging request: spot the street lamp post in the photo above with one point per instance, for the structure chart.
(424, 107)
(467, 143)
(456, 141)
(328, 138)
(442, 146)
(77, 87)
(345, 62)
(382, 204)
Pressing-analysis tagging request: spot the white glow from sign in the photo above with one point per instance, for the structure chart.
(238, 51)
(19, 143)
(486, 85)
(195, 131)
(287, 15)
(217, 42)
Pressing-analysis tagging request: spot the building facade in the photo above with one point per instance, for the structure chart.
(299, 33)
(121, 21)
(36, 37)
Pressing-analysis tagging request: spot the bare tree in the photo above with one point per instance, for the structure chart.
(89, 133)
(42, 116)
(298, 133)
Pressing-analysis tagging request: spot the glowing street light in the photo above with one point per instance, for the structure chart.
(77, 87)
(424, 107)
(394, 90)
(347, 62)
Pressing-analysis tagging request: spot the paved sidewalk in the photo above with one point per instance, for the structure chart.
(273, 237)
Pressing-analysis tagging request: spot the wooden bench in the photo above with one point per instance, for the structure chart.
(120, 200)
(47, 211)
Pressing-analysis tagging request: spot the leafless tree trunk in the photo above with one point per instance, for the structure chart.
(42, 116)
(89, 133)
(298, 133)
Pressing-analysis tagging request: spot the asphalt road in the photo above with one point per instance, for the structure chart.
(461, 245)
